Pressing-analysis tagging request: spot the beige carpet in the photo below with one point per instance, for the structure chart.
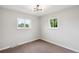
(38, 46)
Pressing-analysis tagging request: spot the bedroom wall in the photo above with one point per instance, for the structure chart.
(1, 38)
(67, 33)
(13, 37)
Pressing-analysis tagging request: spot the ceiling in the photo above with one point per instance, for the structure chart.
(29, 8)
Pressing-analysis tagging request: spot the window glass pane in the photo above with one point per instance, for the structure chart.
(23, 23)
(27, 23)
(53, 23)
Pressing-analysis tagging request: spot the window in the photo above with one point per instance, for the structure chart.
(53, 23)
(23, 23)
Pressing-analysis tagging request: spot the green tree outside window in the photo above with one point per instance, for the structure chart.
(21, 25)
(27, 25)
(53, 23)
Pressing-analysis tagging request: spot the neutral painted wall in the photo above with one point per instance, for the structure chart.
(11, 36)
(1, 38)
(67, 34)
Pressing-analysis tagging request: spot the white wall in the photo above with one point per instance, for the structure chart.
(11, 36)
(1, 38)
(67, 34)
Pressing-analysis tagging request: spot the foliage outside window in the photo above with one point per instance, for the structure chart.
(23, 23)
(53, 23)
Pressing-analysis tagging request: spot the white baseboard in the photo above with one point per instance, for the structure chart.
(18, 44)
(45, 39)
(26, 42)
(4, 48)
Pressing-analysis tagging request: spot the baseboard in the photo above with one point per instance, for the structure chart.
(45, 39)
(4, 48)
(18, 44)
(26, 42)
